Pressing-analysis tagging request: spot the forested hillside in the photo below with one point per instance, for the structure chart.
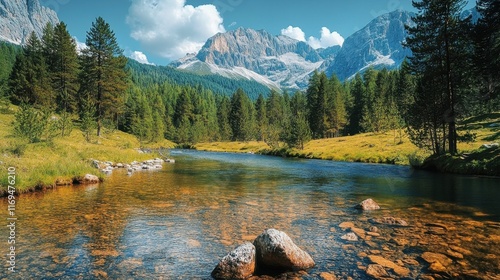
(448, 79)
(144, 75)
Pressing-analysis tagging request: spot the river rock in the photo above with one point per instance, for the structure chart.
(275, 249)
(436, 257)
(89, 179)
(368, 205)
(239, 264)
(390, 221)
(327, 276)
(376, 271)
(345, 225)
(351, 236)
(399, 270)
(437, 267)
(454, 254)
(461, 250)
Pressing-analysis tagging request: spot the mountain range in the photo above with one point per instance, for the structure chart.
(19, 18)
(283, 62)
(278, 62)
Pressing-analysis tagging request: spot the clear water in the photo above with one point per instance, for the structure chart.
(176, 223)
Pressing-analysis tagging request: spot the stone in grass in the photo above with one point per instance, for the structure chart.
(276, 251)
(239, 264)
(368, 205)
(88, 179)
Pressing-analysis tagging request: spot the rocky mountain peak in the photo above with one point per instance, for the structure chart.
(18, 18)
(378, 45)
(283, 62)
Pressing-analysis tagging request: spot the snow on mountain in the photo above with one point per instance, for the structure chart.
(378, 45)
(277, 61)
(283, 62)
(18, 18)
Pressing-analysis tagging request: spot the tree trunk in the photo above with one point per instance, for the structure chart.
(452, 131)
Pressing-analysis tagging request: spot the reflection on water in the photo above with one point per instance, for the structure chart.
(178, 222)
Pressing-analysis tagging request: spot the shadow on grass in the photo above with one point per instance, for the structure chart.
(493, 137)
(482, 119)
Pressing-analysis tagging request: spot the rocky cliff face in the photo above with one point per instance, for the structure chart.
(282, 62)
(378, 45)
(277, 61)
(18, 18)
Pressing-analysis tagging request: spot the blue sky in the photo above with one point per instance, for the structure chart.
(160, 31)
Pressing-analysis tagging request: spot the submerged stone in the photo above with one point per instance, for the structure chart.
(368, 205)
(239, 264)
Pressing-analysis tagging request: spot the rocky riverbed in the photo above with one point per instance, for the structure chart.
(411, 245)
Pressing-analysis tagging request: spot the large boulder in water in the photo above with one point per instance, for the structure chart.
(239, 264)
(276, 251)
(368, 205)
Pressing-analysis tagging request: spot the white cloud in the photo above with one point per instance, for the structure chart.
(328, 39)
(232, 24)
(140, 57)
(170, 28)
(294, 33)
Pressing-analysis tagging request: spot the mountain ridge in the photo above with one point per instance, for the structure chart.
(282, 62)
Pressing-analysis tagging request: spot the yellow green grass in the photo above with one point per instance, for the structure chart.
(367, 147)
(40, 165)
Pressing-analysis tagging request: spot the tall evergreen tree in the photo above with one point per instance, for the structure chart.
(103, 76)
(63, 66)
(437, 42)
(275, 108)
(316, 101)
(336, 110)
(300, 133)
(29, 81)
(241, 116)
(357, 89)
(487, 52)
(223, 112)
(261, 118)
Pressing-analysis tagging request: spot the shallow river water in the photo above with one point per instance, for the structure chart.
(176, 223)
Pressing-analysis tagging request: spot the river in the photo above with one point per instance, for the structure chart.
(177, 222)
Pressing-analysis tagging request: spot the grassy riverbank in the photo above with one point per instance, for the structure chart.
(41, 165)
(387, 148)
(473, 161)
(368, 147)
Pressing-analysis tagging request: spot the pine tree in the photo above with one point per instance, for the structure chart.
(276, 116)
(487, 53)
(103, 76)
(223, 112)
(300, 133)
(336, 111)
(63, 67)
(29, 81)
(368, 122)
(158, 109)
(356, 111)
(240, 116)
(261, 117)
(316, 101)
(438, 44)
